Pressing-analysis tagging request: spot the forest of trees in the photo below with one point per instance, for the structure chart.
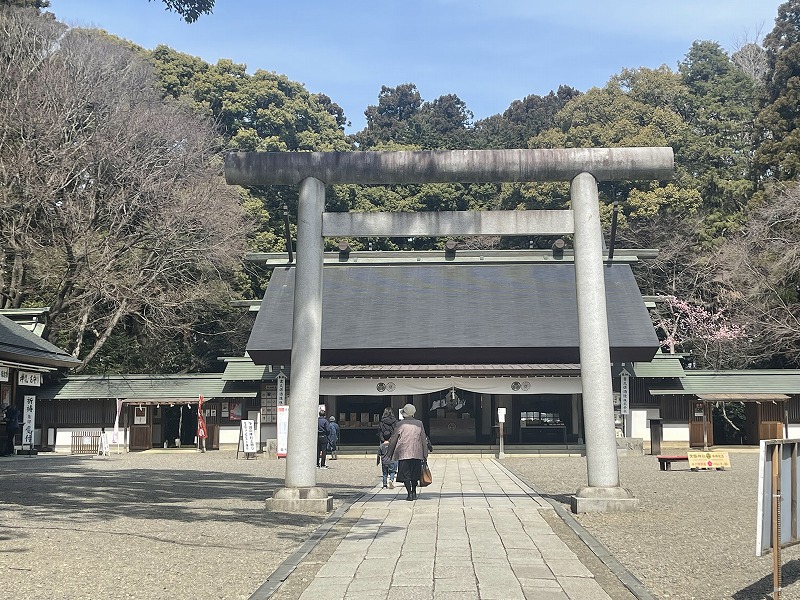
(114, 212)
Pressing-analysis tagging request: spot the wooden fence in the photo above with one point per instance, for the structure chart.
(85, 442)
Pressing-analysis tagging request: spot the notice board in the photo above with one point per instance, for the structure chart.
(247, 436)
(778, 494)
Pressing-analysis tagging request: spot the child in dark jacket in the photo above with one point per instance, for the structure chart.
(388, 466)
(387, 424)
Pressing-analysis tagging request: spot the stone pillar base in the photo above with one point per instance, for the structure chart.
(603, 499)
(311, 499)
(271, 448)
(627, 446)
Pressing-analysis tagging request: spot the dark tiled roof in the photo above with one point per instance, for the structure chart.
(452, 314)
(17, 344)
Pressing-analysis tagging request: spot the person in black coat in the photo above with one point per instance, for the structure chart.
(12, 426)
(323, 433)
(388, 424)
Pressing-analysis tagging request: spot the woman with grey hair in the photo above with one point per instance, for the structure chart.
(409, 446)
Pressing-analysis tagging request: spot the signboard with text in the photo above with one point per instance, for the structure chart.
(281, 401)
(29, 378)
(248, 435)
(624, 393)
(28, 414)
(709, 460)
(4, 373)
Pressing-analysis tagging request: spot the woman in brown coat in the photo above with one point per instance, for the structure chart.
(409, 446)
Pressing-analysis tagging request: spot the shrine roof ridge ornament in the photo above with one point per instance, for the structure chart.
(449, 166)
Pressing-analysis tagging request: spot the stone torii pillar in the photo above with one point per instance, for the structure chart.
(583, 167)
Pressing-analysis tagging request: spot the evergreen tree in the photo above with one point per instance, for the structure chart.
(522, 120)
(190, 10)
(391, 120)
(720, 108)
(778, 123)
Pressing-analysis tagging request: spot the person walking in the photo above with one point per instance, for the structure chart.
(323, 431)
(388, 466)
(333, 436)
(409, 447)
(387, 424)
(12, 426)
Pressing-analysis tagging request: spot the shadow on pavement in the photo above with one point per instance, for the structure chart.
(790, 573)
(69, 489)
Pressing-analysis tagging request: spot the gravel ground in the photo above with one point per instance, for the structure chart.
(188, 525)
(160, 525)
(694, 535)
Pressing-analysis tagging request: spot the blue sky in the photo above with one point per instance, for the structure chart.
(487, 53)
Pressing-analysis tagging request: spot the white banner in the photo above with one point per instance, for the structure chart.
(248, 435)
(29, 412)
(283, 430)
(115, 435)
(403, 386)
(4, 373)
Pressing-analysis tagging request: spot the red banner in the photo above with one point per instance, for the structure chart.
(202, 432)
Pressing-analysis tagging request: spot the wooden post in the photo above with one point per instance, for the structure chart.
(794, 492)
(776, 522)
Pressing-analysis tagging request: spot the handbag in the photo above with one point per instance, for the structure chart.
(425, 477)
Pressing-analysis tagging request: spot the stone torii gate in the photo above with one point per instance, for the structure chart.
(582, 167)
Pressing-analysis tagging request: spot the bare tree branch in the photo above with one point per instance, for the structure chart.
(112, 203)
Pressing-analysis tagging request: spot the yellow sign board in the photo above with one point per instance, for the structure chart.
(709, 460)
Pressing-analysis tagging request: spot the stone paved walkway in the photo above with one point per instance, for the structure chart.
(475, 533)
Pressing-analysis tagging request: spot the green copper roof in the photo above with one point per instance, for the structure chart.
(761, 381)
(243, 369)
(662, 366)
(181, 388)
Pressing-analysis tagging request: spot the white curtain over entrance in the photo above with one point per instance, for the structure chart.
(406, 386)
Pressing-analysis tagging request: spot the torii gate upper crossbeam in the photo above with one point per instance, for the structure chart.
(448, 166)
